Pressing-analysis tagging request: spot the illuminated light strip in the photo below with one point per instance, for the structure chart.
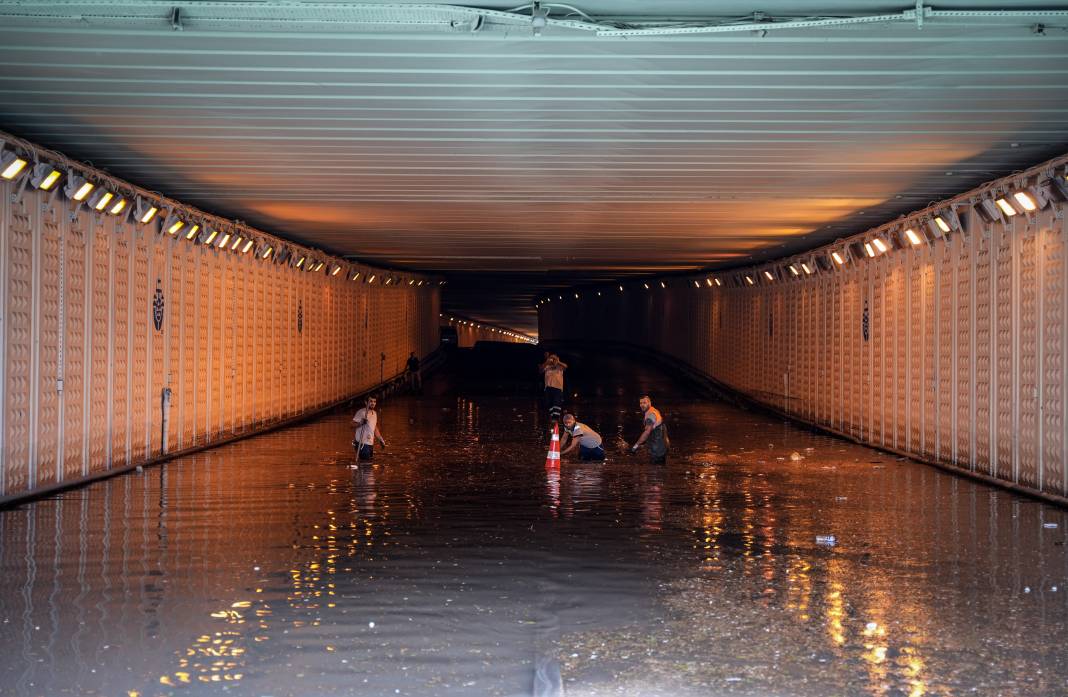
(14, 167)
(1005, 206)
(193, 231)
(83, 191)
(837, 258)
(104, 200)
(914, 238)
(1026, 201)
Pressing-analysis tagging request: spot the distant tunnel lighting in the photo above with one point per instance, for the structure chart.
(880, 246)
(11, 165)
(78, 188)
(646, 285)
(248, 246)
(708, 282)
(913, 236)
(868, 249)
(356, 276)
(101, 199)
(224, 239)
(696, 284)
(118, 207)
(193, 231)
(267, 252)
(1026, 201)
(576, 296)
(236, 243)
(767, 275)
(371, 278)
(749, 280)
(663, 285)
(1005, 206)
(718, 282)
(806, 268)
(838, 259)
(411, 281)
(389, 280)
(211, 236)
(793, 269)
(45, 177)
(300, 262)
(621, 289)
(336, 270)
(318, 266)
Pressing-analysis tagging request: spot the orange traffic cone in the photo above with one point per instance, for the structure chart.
(553, 458)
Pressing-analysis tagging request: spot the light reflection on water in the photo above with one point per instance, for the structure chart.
(458, 560)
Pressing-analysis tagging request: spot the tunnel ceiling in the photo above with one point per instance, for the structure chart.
(447, 140)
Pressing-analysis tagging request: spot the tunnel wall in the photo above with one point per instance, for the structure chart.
(242, 343)
(953, 351)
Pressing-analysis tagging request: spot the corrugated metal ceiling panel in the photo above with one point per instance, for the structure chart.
(560, 158)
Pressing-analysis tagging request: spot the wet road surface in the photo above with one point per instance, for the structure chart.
(458, 564)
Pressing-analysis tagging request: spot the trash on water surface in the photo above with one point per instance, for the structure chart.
(825, 540)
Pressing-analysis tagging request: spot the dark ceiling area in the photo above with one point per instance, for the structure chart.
(453, 140)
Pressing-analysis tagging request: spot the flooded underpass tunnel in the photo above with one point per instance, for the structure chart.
(594, 348)
(761, 558)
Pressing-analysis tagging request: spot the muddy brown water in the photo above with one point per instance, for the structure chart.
(458, 564)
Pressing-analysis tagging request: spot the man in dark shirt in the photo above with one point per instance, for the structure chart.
(415, 380)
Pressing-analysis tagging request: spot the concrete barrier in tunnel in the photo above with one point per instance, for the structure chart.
(941, 335)
(126, 336)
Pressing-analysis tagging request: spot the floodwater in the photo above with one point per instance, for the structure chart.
(459, 564)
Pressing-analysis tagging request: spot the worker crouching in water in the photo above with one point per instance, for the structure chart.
(654, 433)
(584, 438)
(366, 423)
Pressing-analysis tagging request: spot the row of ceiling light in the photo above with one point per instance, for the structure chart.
(995, 206)
(44, 176)
(498, 330)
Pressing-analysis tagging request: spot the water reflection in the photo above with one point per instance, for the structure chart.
(454, 564)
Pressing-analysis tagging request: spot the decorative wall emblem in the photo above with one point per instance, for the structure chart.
(865, 321)
(300, 317)
(157, 306)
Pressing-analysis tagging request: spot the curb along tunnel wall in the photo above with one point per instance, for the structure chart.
(952, 351)
(241, 343)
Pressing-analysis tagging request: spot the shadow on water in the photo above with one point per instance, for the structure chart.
(458, 563)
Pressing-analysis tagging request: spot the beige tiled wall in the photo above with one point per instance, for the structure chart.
(964, 362)
(83, 367)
